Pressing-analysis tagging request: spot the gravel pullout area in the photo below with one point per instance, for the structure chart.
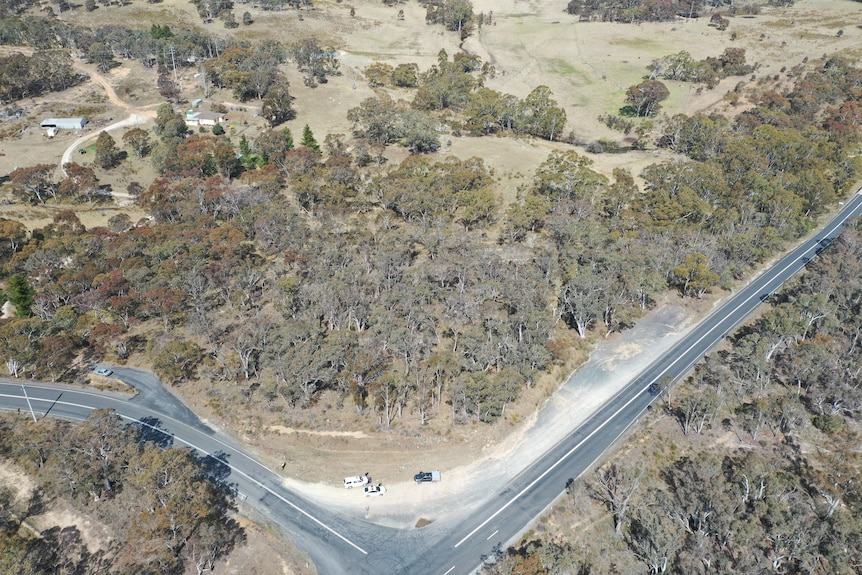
(611, 366)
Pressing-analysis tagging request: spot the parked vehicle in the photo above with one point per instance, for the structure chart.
(356, 481)
(425, 476)
(374, 490)
(104, 371)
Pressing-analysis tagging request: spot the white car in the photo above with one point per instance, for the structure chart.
(104, 371)
(356, 481)
(373, 490)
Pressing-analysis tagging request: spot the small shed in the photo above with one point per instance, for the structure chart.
(64, 123)
(197, 102)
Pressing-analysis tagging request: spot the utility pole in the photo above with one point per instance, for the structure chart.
(174, 63)
(24, 389)
(203, 70)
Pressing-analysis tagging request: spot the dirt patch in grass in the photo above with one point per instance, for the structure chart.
(94, 534)
(39, 216)
(174, 13)
(515, 160)
(15, 479)
(588, 66)
(58, 513)
(109, 384)
(265, 552)
(287, 430)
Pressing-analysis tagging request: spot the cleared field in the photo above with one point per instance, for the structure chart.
(588, 66)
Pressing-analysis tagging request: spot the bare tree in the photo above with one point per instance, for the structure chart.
(615, 487)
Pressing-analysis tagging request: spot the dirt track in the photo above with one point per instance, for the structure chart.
(137, 116)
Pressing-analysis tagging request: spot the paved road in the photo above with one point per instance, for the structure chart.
(340, 544)
(326, 536)
(509, 514)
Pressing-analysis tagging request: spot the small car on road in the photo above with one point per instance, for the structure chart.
(104, 371)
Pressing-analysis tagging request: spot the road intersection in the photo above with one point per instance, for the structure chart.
(339, 543)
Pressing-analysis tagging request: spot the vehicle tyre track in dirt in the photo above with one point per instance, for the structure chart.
(137, 116)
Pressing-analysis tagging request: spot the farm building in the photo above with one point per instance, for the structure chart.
(64, 123)
(203, 118)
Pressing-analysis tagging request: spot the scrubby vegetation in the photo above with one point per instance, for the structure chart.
(681, 66)
(636, 11)
(250, 70)
(299, 270)
(451, 87)
(27, 76)
(163, 509)
(750, 467)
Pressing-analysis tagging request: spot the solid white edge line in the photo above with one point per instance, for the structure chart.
(834, 226)
(528, 487)
(198, 449)
(162, 416)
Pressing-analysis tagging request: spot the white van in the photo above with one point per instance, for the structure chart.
(356, 481)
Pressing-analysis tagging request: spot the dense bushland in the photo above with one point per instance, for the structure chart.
(409, 291)
(751, 466)
(164, 508)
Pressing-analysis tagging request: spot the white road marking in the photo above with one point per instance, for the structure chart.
(512, 500)
(198, 449)
(492, 534)
(828, 233)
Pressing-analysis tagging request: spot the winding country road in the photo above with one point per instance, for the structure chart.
(339, 543)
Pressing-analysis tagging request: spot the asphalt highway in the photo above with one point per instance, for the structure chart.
(339, 544)
(330, 539)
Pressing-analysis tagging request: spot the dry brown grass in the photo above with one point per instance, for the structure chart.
(264, 551)
(588, 67)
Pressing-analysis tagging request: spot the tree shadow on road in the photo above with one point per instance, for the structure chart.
(152, 431)
(217, 469)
